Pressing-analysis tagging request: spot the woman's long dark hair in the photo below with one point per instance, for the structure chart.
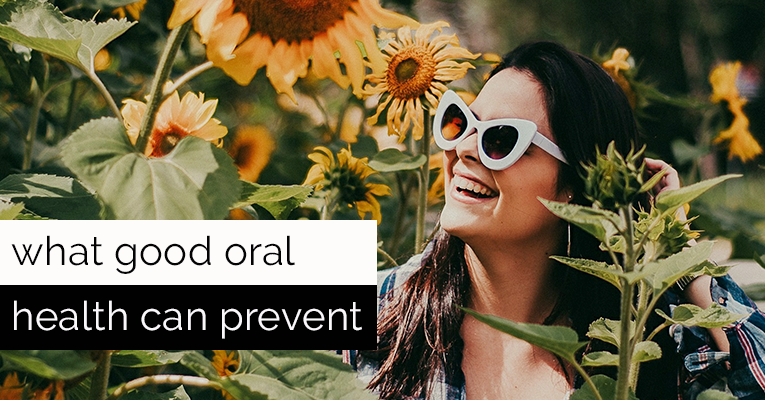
(418, 329)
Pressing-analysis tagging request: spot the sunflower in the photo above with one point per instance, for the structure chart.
(225, 363)
(347, 178)
(283, 35)
(416, 76)
(615, 67)
(176, 119)
(740, 141)
(12, 389)
(132, 9)
(251, 150)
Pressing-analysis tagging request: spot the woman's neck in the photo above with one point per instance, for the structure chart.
(513, 282)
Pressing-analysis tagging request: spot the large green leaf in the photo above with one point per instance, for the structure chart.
(49, 364)
(608, 272)
(714, 316)
(664, 273)
(294, 375)
(599, 223)
(277, 200)
(559, 340)
(391, 160)
(669, 200)
(712, 394)
(606, 387)
(195, 181)
(145, 358)
(200, 365)
(51, 196)
(39, 25)
(9, 211)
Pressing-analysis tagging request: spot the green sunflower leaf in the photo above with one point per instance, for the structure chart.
(608, 272)
(668, 201)
(646, 351)
(599, 223)
(714, 316)
(600, 359)
(606, 387)
(277, 200)
(9, 211)
(712, 394)
(145, 358)
(51, 196)
(391, 160)
(49, 364)
(559, 340)
(178, 393)
(39, 25)
(293, 374)
(195, 181)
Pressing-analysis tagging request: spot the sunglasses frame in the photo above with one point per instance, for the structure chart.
(527, 134)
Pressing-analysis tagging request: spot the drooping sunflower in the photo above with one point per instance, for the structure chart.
(739, 139)
(616, 66)
(251, 150)
(418, 69)
(347, 178)
(132, 9)
(283, 35)
(176, 119)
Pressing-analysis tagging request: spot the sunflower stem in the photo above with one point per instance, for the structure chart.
(164, 67)
(424, 178)
(106, 94)
(162, 380)
(100, 380)
(185, 78)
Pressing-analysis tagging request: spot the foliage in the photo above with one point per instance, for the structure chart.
(650, 253)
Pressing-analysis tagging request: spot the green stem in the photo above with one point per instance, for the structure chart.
(185, 78)
(29, 141)
(387, 256)
(587, 379)
(162, 380)
(424, 178)
(657, 330)
(625, 339)
(105, 93)
(100, 379)
(164, 67)
(71, 107)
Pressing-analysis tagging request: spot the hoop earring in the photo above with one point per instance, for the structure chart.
(568, 240)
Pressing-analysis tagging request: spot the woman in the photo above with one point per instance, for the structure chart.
(492, 251)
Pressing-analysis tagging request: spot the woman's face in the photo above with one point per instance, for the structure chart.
(486, 206)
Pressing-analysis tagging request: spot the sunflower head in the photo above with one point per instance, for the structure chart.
(284, 35)
(345, 178)
(723, 81)
(418, 69)
(176, 119)
(225, 363)
(251, 150)
(133, 9)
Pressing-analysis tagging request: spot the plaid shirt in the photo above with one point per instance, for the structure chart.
(740, 371)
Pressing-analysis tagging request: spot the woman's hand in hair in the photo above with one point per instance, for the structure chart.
(670, 180)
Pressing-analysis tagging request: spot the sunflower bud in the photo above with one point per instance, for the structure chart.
(614, 181)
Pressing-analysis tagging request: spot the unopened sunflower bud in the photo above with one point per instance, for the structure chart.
(614, 181)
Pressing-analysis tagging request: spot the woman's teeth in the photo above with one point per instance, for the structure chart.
(463, 185)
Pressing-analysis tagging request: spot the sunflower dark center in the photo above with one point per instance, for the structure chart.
(165, 141)
(410, 72)
(352, 188)
(244, 154)
(292, 20)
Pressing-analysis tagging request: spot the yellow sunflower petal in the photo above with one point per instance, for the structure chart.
(325, 64)
(315, 175)
(350, 55)
(225, 38)
(184, 10)
(285, 66)
(132, 114)
(212, 17)
(248, 58)
(371, 205)
(723, 80)
(371, 11)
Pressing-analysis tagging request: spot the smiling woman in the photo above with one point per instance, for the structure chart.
(535, 124)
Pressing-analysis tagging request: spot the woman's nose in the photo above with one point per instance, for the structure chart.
(467, 149)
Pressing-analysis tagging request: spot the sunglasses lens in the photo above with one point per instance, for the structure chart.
(499, 141)
(453, 123)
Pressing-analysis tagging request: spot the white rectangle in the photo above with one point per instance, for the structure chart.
(207, 252)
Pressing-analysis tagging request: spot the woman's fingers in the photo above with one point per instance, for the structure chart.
(670, 180)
